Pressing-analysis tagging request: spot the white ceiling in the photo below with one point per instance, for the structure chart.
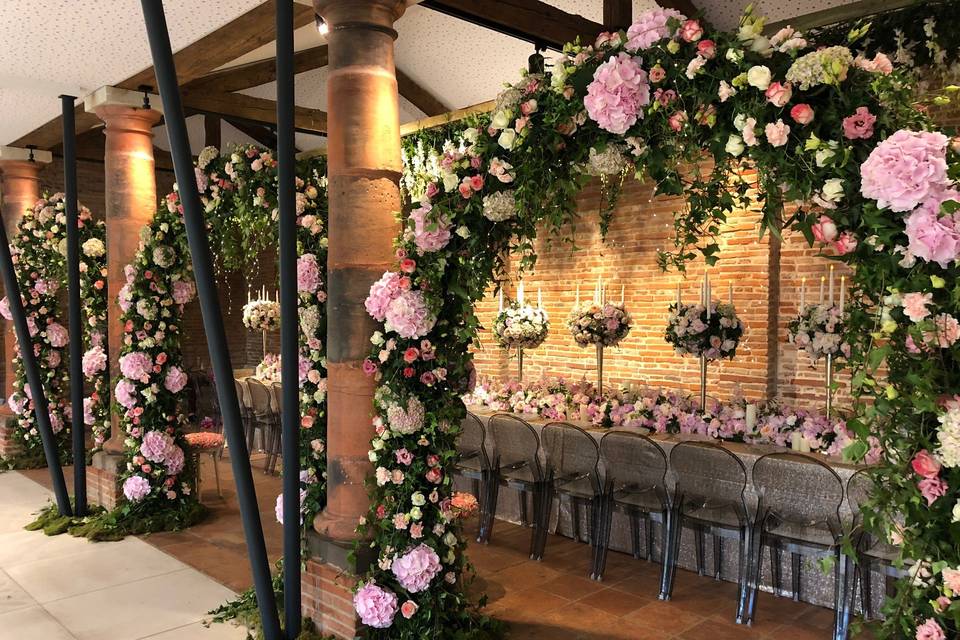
(459, 63)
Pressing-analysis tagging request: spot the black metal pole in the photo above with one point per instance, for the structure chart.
(40, 407)
(210, 308)
(289, 321)
(73, 307)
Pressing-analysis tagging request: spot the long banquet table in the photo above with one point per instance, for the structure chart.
(816, 586)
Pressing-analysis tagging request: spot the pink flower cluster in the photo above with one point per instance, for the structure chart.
(416, 568)
(308, 274)
(618, 93)
(651, 27)
(175, 380)
(136, 488)
(57, 335)
(126, 393)
(136, 365)
(94, 361)
(933, 237)
(928, 467)
(402, 310)
(429, 234)
(375, 605)
(905, 170)
(183, 291)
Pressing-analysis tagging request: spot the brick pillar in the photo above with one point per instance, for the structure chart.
(131, 200)
(364, 170)
(19, 190)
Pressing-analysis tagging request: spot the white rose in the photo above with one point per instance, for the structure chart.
(759, 76)
(463, 232)
(833, 190)
(471, 134)
(823, 155)
(450, 181)
(501, 119)
(956, 512)
(507, 138)
(739, 121)
(734, 145)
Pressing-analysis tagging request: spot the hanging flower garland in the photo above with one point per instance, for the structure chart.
(806, 122)
(693, 331)
(521, 326)
(238, 191)
(39, 254)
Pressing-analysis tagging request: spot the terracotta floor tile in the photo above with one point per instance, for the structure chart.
(716, 630)
(664, 617)
(615, 602)
(516, 604)
(530, 574)
(580, 619)
(572, 587)
(223, 566)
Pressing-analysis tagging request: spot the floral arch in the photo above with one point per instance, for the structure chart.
(238, 190)
(39, 254)
(837, 148)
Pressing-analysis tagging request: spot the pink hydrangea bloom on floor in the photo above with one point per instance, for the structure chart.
(375, 605)
(136, 365)
(136, 488)
(416, 568)
(651, 27)
(94, 361)
(408, 315)
(905, 169)
(932, 237)
(308, 273)
(430, 234)
(155, 445)
(57, 335)
(618, 93)
(175, 380)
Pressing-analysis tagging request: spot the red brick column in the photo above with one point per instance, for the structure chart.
(131, 200)
(364, 170)
(20, 189)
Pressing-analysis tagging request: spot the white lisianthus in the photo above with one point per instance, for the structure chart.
(471, 134)
(739, 121)
(463, 232)
(759, 76)
(956, 512)
(833, 190)
(734, 55)
(734, 145)
(507, 139)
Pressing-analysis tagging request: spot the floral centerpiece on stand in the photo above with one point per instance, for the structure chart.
(605, 324)
(269, 368)
(521, 326)
(714, 335)
(819, 331)
(261, 315)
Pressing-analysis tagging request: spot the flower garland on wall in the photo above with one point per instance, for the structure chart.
(39, 255)
(664, 94)
(238, 191)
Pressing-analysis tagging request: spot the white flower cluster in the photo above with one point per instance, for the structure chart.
(824, 66)
(521, 326)
(608, 162)
(261, 315)
(949, 437)
(499, 206)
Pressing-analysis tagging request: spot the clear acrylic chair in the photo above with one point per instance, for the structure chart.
(515, 464)
(473, 462)
(246, 414)
(265, 416)
(209, 441)
(872, 553)
(798, 510)
(635, 483)
(709, 498)
(572, 472)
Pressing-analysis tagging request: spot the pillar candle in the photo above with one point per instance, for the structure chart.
(843, 289)
(823, 280)
(578, 293)
(520, 293)
(623, 290)
(731, 293)
(708, 295)
(831, 285)
(751, 416)
(539, 299)
(678, 294)
(501, 297)
(803, 293)
(796, 441)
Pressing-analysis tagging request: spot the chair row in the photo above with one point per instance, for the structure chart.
(798, 511)
(260, 409)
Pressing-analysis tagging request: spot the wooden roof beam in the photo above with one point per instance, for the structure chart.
(418, 96)
(255, 74)
(686, 7)
(842, 13)
(237, 106)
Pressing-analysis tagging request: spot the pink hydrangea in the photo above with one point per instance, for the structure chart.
(932, 489)
(5, 308)
(136, 365)
(136, 488)
(175, 380)
(278, 508)
(930, 630)
(88, 418)
(125, 297)
(126, 393)
(934, 238)
(94, 361)
(947, 331)
(382, 293)
(429, 234)
(57, 335)
(905, 169)
(618, 93)
(155, 445)
(651, 27)
(308, 273)
(375, 605)
(416, 568)
(408, 315)
(183, 291)
(173, 459)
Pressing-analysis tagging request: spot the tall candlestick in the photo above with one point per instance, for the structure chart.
(731, 294)
(520, 293)
(831, 285)
(709, 295)
(678, 295)
(578, 293)
(803, 293)
(539, 299)
(843, 290)
(823, 280)
(501, 298)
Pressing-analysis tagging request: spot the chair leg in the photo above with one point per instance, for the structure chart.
(575, 519)
(635, 533)
(698, 548)
(541, 519)
(866, 587)
(717, 557)
(842, 601)
(216, 474)
(775, 557)
(743, 572)
(492, 497)
(795, 575)
(669, 569)
(524, 516)
(603, 536)
(648, 528)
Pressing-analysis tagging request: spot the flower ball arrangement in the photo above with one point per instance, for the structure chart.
(693, 331)
(819, 331)
(261, 315)
(604, 324)
(520, 326)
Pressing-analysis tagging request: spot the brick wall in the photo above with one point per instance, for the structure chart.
(327, 599)
(8, 447)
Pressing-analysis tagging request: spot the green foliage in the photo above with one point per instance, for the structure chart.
(101, 525)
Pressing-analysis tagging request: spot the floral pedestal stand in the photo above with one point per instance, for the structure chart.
(703, 383)
(520, 364)
(828, 379)
(600, 369)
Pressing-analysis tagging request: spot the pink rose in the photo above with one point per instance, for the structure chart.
(777, 132)
(846, 243)
(951, 578)
(824, 230)
(465, 191)
(779, 94)
(408, 609)
(657, 74)
(930, 630)
(677, 120)
(691, 31)
(880, 64)
(859, 125)
(802, 113)
(707, 49)
(932, 488)
(432, 190)
(915, 305)
(925, 465)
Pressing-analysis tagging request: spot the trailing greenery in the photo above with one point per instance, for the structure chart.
(101, 525)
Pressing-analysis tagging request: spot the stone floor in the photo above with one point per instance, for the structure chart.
(64, 588)
(549, 599)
